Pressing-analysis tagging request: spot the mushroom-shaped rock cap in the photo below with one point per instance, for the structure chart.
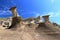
(46, 16)
(13, 8)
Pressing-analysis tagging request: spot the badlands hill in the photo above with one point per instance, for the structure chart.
(15, 28)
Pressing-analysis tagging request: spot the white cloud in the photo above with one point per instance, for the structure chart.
(5, 7)
(3, 12)
(51, 14)
(52, 1)
(36, 14)
(54, 14)
(13, 2)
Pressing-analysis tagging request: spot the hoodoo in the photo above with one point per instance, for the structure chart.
(46, 18)
(14, 12)
(15, 18)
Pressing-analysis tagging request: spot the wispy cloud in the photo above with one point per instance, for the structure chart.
(13, 2)
(54, 14)
(3, 12)
(52, 1)
(36, 14)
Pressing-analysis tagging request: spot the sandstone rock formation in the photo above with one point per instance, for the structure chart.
(46, 18)
(16, 21)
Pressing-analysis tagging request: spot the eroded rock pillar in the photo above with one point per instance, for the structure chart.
(46, 18)
(37, 19)
(15, 18)
(14, 12)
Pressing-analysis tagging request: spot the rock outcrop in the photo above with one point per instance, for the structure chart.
(16, 21)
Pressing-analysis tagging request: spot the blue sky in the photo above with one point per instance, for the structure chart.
(28, 8)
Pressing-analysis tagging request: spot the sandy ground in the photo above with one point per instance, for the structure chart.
(26, 34)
